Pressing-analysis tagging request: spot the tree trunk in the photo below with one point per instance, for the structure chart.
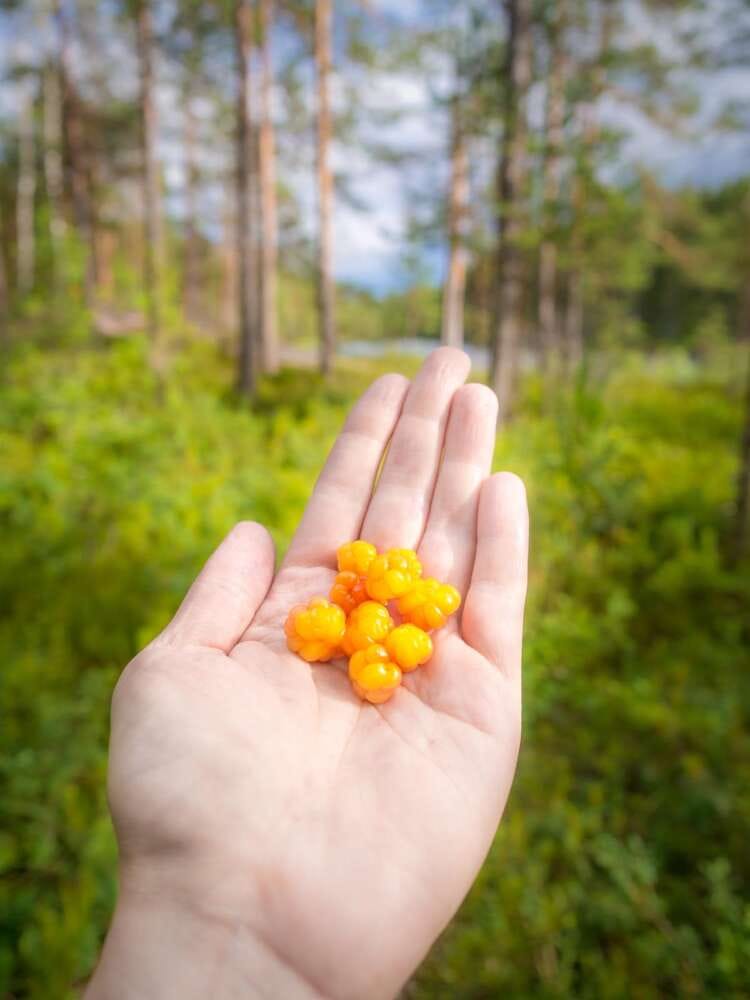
(53, 171)
(4, 290)
(512, 177)
(229, 295)
(549, 333)
(246, 280)
(326, 304)
(73, 136)
(25, 198)
(458, 208)
(149, 172)
(191, 260)
(267, 148)
(589, 127)
(739, 537)
(574, 321)
(742, 507)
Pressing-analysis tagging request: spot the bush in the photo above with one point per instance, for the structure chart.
(621, 868)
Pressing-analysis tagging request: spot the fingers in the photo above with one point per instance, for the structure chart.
(492, 620)
(337, 506)
(228, 591)
(448, 544)
(398, 510)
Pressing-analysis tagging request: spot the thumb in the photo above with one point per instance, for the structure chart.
(227, 592)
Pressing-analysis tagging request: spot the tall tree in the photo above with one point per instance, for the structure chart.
(53, 170)
(325, 282)
(267, 169)
(512, 185)
(589, 132)
(25, 198)
(549, 332)
(152, 256)
(247, 278)
(742, 507)
(458, 208)
(75, 173)
(191, 251)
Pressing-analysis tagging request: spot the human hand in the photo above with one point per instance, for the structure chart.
(279, 837)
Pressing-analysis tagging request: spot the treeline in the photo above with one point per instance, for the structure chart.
(553, 238)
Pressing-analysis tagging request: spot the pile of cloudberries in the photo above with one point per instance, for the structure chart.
(357, 620)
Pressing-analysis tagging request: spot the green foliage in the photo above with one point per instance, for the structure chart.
(621, 868)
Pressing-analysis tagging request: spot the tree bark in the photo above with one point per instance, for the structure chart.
(267, 155)
(4, 289)
(53, 171)
(25, 198)
(589, 128)
(325, 283)
(74, 143)
(512, 177)
(246, 281)
(191, 259)
(739, 536)
(549, 333)
(454, 290)
(152, 233)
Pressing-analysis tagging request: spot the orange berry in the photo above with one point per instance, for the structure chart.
(409, 647)
(373, 674)
(315, 630)
(429, 603)
(392, 574)
(369, 623)
(348, 590)
(356, 557)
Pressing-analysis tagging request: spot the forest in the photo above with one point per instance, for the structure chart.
(219, 221)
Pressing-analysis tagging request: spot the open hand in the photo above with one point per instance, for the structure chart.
(279, 837)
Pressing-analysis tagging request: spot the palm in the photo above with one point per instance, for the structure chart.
(228, 747)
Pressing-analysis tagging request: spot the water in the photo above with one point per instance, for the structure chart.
(418, 347)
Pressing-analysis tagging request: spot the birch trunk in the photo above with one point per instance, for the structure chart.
(267, 155)
(512, 177)
(325, 286)
(191, 261)
(549, 333)
(454, 291)
(25, 198)
(53, 171)
(149, 173)
(246, 280)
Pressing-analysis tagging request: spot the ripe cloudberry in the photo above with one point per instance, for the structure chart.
(348, 590)
(315, 630)
(409, 647)
(369, 623)
(373, 674)
(355, 557)
(392, 574)
(429, 603)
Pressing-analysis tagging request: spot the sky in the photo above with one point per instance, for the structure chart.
(372, 220)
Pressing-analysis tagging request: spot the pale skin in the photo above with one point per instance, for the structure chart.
(278, 837)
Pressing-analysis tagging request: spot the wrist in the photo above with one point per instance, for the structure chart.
(162, 946)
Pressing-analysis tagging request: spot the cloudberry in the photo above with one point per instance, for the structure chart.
(369, 623)
(373, 674)
(355, 557)
(315, 630)
(392, 574)
(348, 590)
(429, 603)
(409, 647)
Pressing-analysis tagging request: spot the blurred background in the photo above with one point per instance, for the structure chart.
(218, 222)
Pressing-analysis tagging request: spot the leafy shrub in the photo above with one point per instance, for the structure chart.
(621, 868)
